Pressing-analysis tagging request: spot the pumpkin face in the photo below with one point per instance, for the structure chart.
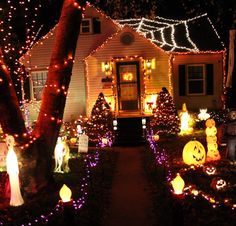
(209, 170)
(212, 152)
(211, 131)
(73, 140)
(194, 153)
(211, 139)
(218, 183)
(210, 123)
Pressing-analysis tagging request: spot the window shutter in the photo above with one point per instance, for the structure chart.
(209, 79)
(27, 88)
(182, 80)
(96, 26)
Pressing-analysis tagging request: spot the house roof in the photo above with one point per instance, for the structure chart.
(192, 35)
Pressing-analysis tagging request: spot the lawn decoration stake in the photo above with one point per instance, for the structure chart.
(62, 156)
(13, 172)
(194, 153)
(185, 119)
(212, 147)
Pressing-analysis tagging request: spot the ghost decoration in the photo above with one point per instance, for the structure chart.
(62, 156)
(13, 172)
(211, 138)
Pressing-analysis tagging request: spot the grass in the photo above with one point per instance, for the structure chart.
(95, 204)
(189, 211)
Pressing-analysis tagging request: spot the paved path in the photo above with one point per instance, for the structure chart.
(130, 201)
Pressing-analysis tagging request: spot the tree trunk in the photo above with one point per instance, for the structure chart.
(11, 119)
(35, 160)
(37, 164)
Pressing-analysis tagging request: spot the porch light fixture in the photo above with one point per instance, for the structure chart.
(107, 68)
(149, 65)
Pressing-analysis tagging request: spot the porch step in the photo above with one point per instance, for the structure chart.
(129, 132)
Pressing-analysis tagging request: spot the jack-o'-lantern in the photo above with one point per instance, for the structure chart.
(211, 139)
(212, 152)
(211, 131)
(73, 140)
(194, 153)
(210, 170)
(218, 183)
(210, 123)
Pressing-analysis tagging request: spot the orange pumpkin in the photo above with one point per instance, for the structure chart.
(210, 122)
(194, 153)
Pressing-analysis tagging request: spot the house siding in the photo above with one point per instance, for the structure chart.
(207, 101)
(115, 49)
(39, 59)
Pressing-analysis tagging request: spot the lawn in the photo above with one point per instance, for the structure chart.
(211, 206)
(44, 209)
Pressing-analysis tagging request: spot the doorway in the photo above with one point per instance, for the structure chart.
(128, 86)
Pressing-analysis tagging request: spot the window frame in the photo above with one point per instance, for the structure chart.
(33, 86)
(90, 26)
(188, 80)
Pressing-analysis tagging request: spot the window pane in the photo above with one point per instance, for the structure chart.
(195, 72)
(195, 87)
(38, 82)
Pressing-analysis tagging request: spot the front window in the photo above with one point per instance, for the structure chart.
(196, 80)
(38, 79)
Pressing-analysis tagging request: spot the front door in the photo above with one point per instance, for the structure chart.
(128, 85)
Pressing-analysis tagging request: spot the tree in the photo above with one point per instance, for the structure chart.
(165, 119)
(100, 123)
(35, 153)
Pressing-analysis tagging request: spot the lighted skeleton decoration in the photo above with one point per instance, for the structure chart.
(212, 147)
(13, 172)
(62, 156)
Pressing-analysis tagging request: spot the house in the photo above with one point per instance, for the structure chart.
(129, 61)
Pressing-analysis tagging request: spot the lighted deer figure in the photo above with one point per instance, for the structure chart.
(13, 172)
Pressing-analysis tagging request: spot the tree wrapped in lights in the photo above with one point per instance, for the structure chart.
(100, 123)
(165, 119)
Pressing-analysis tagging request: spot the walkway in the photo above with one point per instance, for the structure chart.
(130, 201)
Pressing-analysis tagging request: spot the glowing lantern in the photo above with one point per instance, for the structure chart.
(194, 153)
(65, 193)
(178, 184)
(203, 115)
(156, 137)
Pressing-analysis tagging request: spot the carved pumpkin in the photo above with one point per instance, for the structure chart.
(218, 183)
(210, 170)
(194, 153)
(211, 131)
(211, 139)
(210, 123)
(212, 152)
